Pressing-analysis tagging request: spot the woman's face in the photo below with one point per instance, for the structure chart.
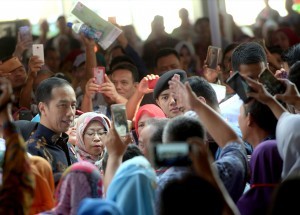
(142, 121)
(92, 138)
(185, 56)
(280, 39)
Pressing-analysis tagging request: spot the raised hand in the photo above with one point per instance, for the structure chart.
(259, 92)
(291, 95)
(108, 89)
(88, 42)
(116, 146)
(91, 88)
(143, 86)
(34, 65)
(21, 47)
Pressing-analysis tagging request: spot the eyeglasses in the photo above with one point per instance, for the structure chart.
(93, 134)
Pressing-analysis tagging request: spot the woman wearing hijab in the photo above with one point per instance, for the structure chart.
(133, 187)
(91, 129)
(44, 185)
(265, 167)
(188, 58)
(79, 181)
(144, 113)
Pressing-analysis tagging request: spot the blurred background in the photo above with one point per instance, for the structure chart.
(139, 13)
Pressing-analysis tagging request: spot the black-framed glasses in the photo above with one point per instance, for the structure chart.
(93, 134)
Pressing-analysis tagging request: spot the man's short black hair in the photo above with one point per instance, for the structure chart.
(131, 152)
(262, 115)
(248, 53)
(201, 87)
(292, 55)
(165, 52)
(121, 59)
(128, 66)
(44, 90)
(180, 128)
(158, 124)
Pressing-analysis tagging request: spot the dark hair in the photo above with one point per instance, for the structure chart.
(201, 87)
(178, 197)
(49, 49)
(127, 66)
(227, 49)
(121, 59)
(248, 53)
(262, 115)
(158, 124)
(118, 47)
(131, 152)
(44, 90)
(294, 74)
(165, 52)
(181, 128)
(292, 55)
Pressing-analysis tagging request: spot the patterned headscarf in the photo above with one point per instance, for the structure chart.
(82, 123)
(79, 181)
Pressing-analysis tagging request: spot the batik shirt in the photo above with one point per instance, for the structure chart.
(17, 190)
(53, 147)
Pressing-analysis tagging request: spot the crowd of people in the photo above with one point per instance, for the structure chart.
(185, 152)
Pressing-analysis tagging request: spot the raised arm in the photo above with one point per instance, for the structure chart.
(220, 131)
(34, 66)
(135, 100)
(115, 149)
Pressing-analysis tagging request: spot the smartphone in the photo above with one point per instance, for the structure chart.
(271, 83)
(213, 57)
(119, 117)
(25, 33)
(171, 154)
(99, 74)
(152, 83)
(38, 50)
(25, 115)
(2, 152)
(240, 86)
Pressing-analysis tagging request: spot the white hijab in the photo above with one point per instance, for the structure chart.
(288, 143)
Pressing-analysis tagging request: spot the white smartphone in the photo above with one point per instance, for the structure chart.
(119, 117)
(99, 74)
(38, 50)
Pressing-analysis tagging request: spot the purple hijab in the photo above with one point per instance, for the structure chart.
(266, 167)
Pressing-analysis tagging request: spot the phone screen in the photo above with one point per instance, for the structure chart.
(240, 86)
(119, 117)
(271, 83)
(99, 74)
(2, 151)
(212, 58)
(171, 154)
(25, 34)
(25, 115)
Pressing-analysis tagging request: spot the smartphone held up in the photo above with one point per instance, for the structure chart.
(99, 74)
(119, 117)
(213, 57)
(240, 86)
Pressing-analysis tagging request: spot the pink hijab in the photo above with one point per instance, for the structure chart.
(79, 181)
(152, 110)
(83, 121)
